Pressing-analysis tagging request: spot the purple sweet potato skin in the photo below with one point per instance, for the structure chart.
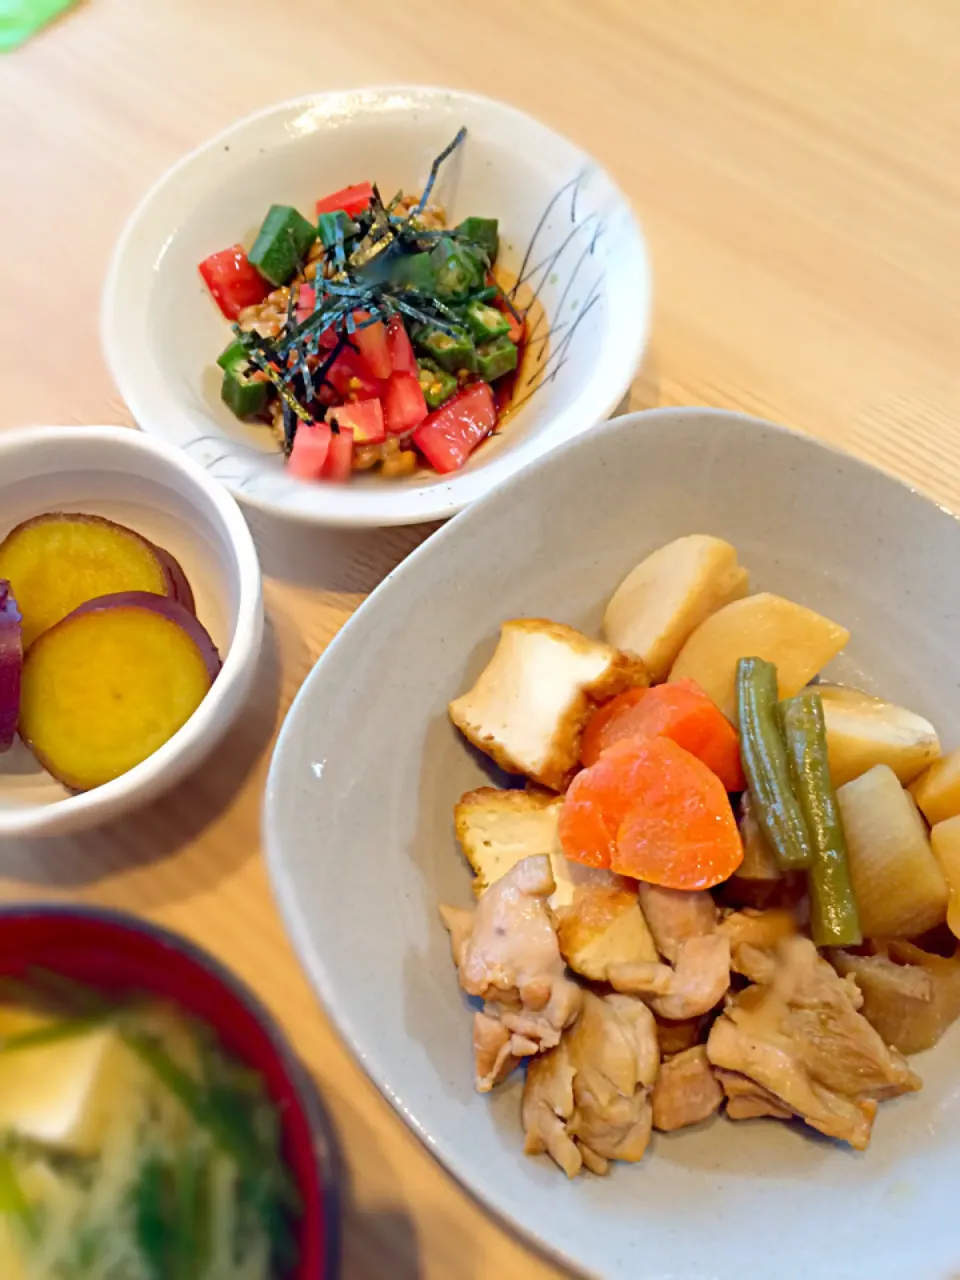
(167, 608)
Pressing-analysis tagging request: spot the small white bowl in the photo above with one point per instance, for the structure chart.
(563, 222)
(126, 476)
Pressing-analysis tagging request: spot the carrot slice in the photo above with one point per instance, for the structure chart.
(679, 710)
(680, 832)
(602, 729)
(651, 810)
(597, 801)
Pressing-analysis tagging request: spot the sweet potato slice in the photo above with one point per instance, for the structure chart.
(178, 582)
(56, 562)
(111, 683)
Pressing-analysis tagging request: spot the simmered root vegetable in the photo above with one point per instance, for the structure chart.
(796, 640)
(937, 791)
(910, 996)
(56, 562)
(666, 597)
(863, 731)
(111, 683)
(945, 842)
(650, 810)
(678, 710)
(900, 890)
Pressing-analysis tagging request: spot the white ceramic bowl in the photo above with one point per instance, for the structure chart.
(159, 492)
(359, 836)
(560, 214)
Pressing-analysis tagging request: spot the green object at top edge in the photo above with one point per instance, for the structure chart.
(20, 19)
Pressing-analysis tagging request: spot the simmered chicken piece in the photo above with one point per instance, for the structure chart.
(750, 931)
(506, 953)
(687, 1090)
(528, 706)
(800, 1042)
(747, 1100)
(675, 916)
(684, 927)
(587, 1101)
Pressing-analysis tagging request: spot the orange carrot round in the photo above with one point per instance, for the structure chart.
(679, 710)
(651, 810)
(602, 728)
(595, 804)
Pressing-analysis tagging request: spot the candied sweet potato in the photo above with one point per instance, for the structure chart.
(56, 562)
(111, 683)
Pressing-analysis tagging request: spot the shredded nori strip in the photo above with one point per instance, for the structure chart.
(435, 167)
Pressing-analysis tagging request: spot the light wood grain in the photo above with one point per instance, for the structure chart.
(794, 165)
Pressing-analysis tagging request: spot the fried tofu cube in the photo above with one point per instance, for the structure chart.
(529, 705)
(498, 829)
(604, 926)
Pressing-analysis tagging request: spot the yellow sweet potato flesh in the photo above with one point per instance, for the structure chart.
(863, 731)
(937, 791)
(666, 597)
(103, 690)
(797, 640)
(900, 890)
(57, 562)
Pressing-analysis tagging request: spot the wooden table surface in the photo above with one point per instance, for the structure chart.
(795, 168)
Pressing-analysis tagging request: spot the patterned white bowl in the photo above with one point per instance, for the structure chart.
(358, 828)
(567, 231)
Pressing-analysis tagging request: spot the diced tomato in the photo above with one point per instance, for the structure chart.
(339, 463)
(363, 418)
(306, 300)
(328, 337)
(451, 433)
(352, 379)
(515, 332)
(402, 359)
(233, 281)
(403, 404)
(372, 341)
(311, 445)
(351, 200)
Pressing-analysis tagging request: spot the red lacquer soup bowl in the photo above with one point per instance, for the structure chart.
(117, 952)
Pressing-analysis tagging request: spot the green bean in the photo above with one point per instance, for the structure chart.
(834, 921)
(765, 764)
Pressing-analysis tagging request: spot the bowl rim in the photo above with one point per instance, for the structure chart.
(120, 792)
(325, 1144)
(447, 502)
(282, 884)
